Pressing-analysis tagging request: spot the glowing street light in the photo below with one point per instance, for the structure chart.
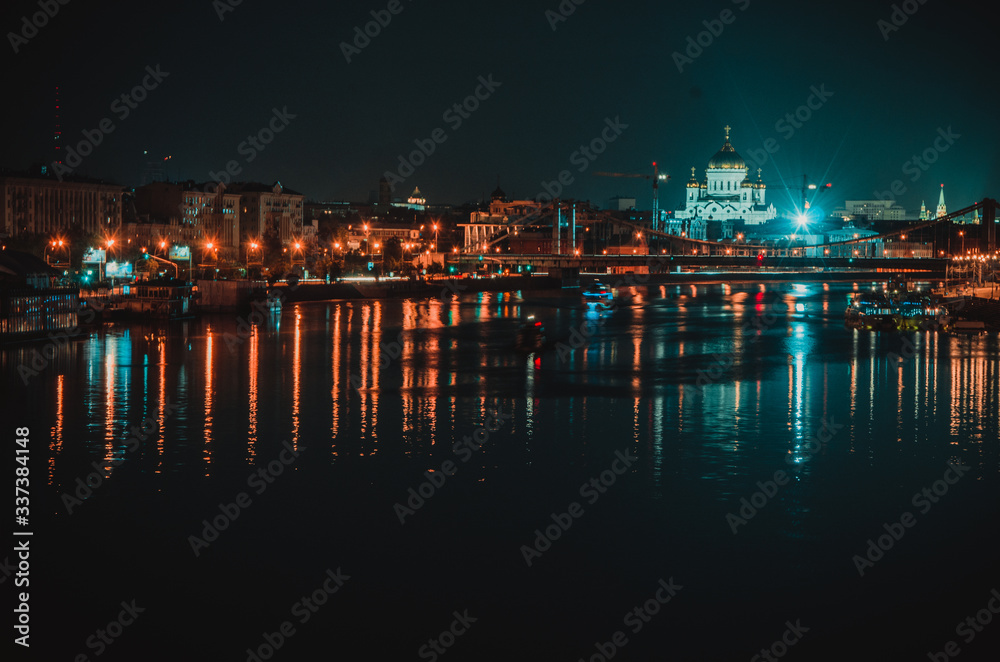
(54, 245)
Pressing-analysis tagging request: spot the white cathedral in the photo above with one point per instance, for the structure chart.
(726, 193)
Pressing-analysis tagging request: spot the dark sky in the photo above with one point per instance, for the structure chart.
(608, 59)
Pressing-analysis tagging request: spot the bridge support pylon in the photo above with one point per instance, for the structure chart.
(989, 220)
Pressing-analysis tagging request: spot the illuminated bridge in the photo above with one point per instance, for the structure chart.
(940, 240)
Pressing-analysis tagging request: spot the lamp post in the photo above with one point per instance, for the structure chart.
(255, 248)
(213, 253)
(110, 253)
(55, 245)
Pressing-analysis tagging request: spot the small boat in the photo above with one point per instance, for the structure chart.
(967, 327)
(598, 296)
(530, 335)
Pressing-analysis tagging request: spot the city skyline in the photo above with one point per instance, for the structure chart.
(859, 104)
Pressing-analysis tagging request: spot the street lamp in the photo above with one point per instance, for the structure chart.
(54, 245)
(254, 248)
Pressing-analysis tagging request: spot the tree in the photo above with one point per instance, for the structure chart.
(393, 251)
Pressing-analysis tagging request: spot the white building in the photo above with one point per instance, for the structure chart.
(726, 193)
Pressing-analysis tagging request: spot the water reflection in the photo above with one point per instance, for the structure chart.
(678, 374)
(209, 397)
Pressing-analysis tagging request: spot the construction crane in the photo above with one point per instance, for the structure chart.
(656, 177)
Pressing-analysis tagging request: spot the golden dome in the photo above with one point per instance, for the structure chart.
(727, 158)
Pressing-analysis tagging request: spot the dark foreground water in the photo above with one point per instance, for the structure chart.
(543, 539)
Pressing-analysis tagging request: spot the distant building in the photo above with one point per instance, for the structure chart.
(265, 209)
(726, 193)
(358, 234)
(326, 210)
(43, 204)
(416, 201)
(483, 225)
(186, 211)
(620, 203)
(510, 220)
(942, 210)
(384, 192)
(870, 210)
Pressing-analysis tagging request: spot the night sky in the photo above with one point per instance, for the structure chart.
(606, 60)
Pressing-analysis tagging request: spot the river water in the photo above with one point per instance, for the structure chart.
(736, 442)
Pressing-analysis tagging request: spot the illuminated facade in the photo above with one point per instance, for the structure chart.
(266, 209)
(483, 225)
(870, 210)
(47, 205)
(726, 193)
(186, 212)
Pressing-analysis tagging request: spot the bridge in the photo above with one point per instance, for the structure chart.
(664, 263)
(678, 252)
